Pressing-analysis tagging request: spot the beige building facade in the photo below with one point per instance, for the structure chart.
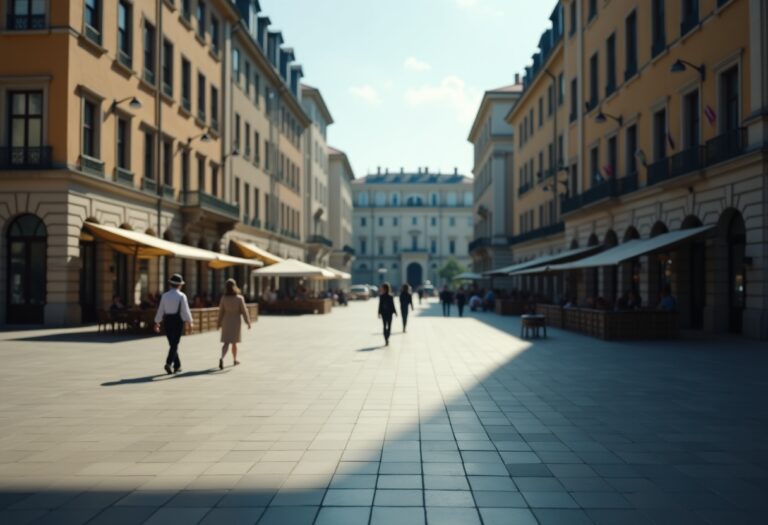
(340, 177)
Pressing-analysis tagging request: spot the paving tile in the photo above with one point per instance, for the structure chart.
(600, 500)
(174, 516)
(452, 516)
(538, 484)
(233, 516)
(549, 500)
(562, 517)
(399, 498)
(349, 497)
(397, 515)
(343, 516)
(292, 515)
(494, 483)
(448, 498)
(399, 482)
(353, 481)
(64, 517)
(495, 516)
(486, 498)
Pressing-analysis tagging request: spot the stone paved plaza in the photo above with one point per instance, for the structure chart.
(457, 422)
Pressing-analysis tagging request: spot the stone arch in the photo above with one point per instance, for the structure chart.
(574, 244)
(730, 255)
(631, 234)
(26, 270)
(658, 228)
(610, 274)
(126, 226)
(610, 240)
(690, 221)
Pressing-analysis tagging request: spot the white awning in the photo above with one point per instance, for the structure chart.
(468, 276)
(631, 249)
(544, 260)
(294, 268)
(146, 246)
(254, 252)
(342, 276)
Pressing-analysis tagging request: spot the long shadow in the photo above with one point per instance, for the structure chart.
(88, 337)
(369, 349)
(165, 377)
(561, 433)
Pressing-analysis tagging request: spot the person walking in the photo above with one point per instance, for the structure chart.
(406, 300)
(173, 311)
(386, 310)
(420, 291)
(231, 309)
(446, 297)
(461, 300)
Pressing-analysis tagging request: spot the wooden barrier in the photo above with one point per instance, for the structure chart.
(207, 319)
(613, 326)
(300, 306)
(509, 307)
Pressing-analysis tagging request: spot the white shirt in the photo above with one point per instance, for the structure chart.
(169, 304)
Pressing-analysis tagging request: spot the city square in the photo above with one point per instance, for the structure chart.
(456, 421)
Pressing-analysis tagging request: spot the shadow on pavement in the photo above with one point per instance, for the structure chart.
(166, 377)
(87, 337)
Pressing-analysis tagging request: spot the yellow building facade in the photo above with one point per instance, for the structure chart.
(663, 125)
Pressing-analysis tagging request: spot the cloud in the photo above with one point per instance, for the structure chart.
(416, 65)
(366, 93)
(452, 92)
(466, 3)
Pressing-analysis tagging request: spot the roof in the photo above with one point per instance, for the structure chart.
(337, 153)
(307, 90)
(507, 92)
(414, 178)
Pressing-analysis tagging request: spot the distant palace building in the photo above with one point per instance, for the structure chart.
(407, 225)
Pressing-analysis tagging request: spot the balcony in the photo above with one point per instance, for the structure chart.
(91, 166)
(93, 34)
(726, 146)
(658, 171)
(481, 242)
(167, 89)
(25, 22)
(148, 185)
(688, 160)
(607, 190)
(523, 189)
(545, 231)
(25, 158)
(205, 202)
(125, 59)
(319, 239)
(689, 23)
(124, 177)
(168, 192)
(256, 223)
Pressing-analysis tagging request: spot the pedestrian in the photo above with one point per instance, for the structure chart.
(173, 312)
(446, 298)
(386, 310)
(406, 300)
(421, 293)
(231, 309)
(461, 300)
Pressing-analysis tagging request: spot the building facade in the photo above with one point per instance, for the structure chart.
(493, 140)
(340, 177)
(181, 120)
(665, 131)
(407, 225)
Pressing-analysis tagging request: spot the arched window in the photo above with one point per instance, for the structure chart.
(450, 198)
(395, 199)
(468, 198)
(362, 198)
(27, 241)
(380, 198)
(433, 199)
(415, 200)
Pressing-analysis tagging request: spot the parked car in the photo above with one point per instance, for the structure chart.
(429, 290)
(359, 292)
(374, 290)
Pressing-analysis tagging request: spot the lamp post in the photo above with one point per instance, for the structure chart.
(681, 65)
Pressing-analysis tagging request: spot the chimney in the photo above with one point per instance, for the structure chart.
(517, 78)
(419, 169)
(402, 170)
(426, 170)
(378, 170)
(455, 171)
(386, 171)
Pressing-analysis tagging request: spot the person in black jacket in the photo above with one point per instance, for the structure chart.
(406, 300)
(446, 298)
(386, 310)
(461, 300)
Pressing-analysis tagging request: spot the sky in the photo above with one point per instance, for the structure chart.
(403, 79)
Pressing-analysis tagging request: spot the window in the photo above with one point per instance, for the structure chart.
(247, 139)
(395, 246)
(729, 99)
(381, 247)
(433, 246)
(631, 150)
(690, 16)
(214, 108)
(592, 10)
(451, 198)
(186, 9)
(247, 78)
(381, 221)
(593, 80)
(550, 100)
(560, 149)
(691, 119)
(168, 163)
(256, 203)
(124, 33)
(560, 89)
(256, 148)
(414, 242)
(541, 111)
(214, 35)
(149, 155)
(574, 100)
(395, 221)
(573, 182)
(184, 172)
(659, 135)
(26, 14)
(530, 122)
(613, 157)
(610, 65)
(167, 68)
(93, 20)
(215, 181)
(573, 18)
(200, 19)
(26, 126)
(630, 45)
(123, 144)
(658, 31)
(414, 221)
(201, 97)
(247, 197)
(451, 221)
(594, 166)
(256, 89)
(186, 84)
(433, 221)
(90, 129)
(363, 221)
(452, 246)
(363, 247)
(149, 53)
(236, 65)
(201, 174)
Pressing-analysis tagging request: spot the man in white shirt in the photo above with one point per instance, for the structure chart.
(173, 311)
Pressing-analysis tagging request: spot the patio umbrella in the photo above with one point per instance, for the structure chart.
(295, 268)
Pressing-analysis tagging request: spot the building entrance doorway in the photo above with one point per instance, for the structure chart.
(414, 275)
(27, 239)
(737, 294)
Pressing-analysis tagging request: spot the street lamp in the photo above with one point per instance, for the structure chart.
(681, 65)
(601, 117)
(204, 137)
(134, 103)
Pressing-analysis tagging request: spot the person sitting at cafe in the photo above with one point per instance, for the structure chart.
(475, 303)
(197, 302)
(148, 302)
(633, 301)
(489, 301)
(668, 302)
(117, 304)
(571, 303)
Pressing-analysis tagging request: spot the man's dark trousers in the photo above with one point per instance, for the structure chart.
(446, 309)
(174, 327)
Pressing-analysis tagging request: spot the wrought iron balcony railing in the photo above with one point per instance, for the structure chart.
(25, 158)
(725, 146)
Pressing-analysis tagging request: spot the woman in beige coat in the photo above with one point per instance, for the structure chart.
(231, 309)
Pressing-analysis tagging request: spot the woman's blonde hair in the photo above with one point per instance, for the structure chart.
(230, 287)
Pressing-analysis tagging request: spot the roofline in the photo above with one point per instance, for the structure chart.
(315, 93)
(557, 50)
(345, 160)
(485, 102)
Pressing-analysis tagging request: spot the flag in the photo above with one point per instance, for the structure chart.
(710, 114)
(607, 171)
(640, 155)
(670, 141)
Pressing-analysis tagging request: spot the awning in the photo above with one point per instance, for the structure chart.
(342, 276)
(468, 276)
(515, 269)
(294, 268)
(631, 249)
(254, 252)
(146, 246)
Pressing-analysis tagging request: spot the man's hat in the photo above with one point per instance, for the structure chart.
(176, 279)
